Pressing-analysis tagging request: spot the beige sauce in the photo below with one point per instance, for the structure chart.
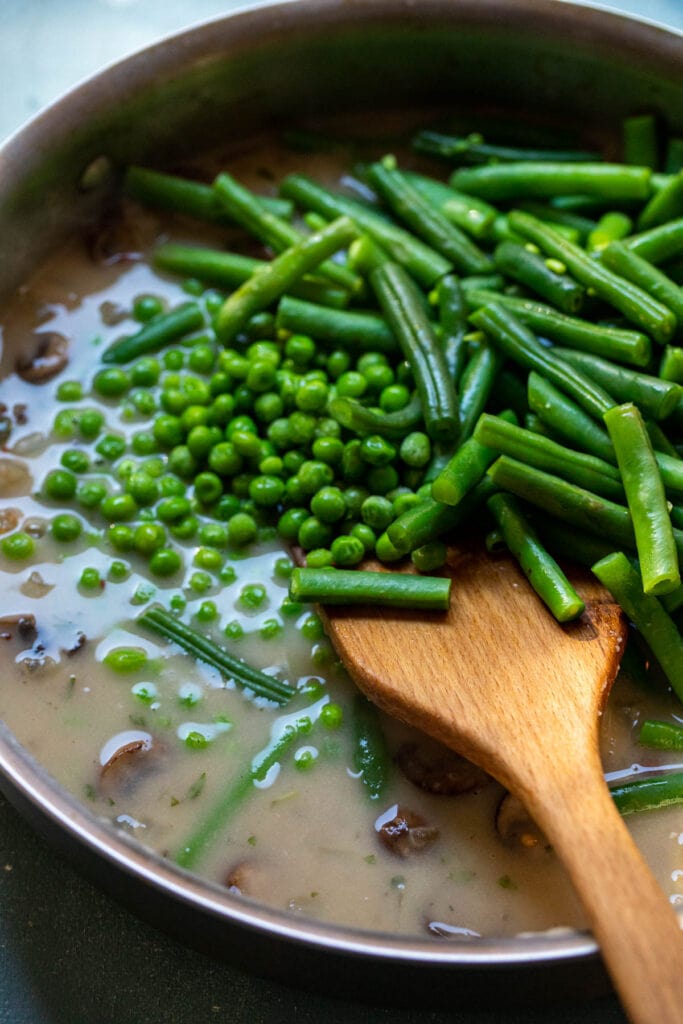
(304, 840)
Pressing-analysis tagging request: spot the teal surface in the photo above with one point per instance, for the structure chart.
(68, 953)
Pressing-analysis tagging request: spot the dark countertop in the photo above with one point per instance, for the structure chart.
(69, 954)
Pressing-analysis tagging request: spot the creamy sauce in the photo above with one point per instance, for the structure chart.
(305, 840)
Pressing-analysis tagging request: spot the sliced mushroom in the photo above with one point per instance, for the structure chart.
(438, 770)
(128, 765)
(115, 239)
(9, 519)
(407, 833)
(49, 358)
(515, 826)
(21, 624)
(35, 586)
(245, 878)
(15, 478)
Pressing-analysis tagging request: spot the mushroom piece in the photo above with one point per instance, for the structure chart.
(407, 833)
(49, 358)
(21, 624)
(515, 826)
(436, 769)
(127, 766)
(245, 879)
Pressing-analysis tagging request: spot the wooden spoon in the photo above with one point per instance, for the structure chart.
(497, 679)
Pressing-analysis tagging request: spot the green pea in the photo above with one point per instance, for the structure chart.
(319, 558)
(242, 529)
(270, 629)
(351, 384)
(17, 546)
(143, 487)
(347, 550)
(125, 659)
(121, 537)
(196, 741)
(208, 488)
(227, 575)
(173, 359)
(207, 612)
(90, 579)
(331, 716)
(312, 396)
(266, 491)
(234, 630)
(301, 428)
(213, 535)
(225, 460)
(75, 460)
(148, 538)
(65, 423)
(289, 523)
(353, 467)
(394, 397)
(146, 307)
(118, 571)
(208, 558)
(167, 430)
(173, 401)
(112, 382)
(202, 357)
(165, 562)
(111, 447)
(328, 449)
(366, 535)
(69, 391)
(182, 462)
(66, 527)
(337, 363)
(185, 528)
(328, 504)
(313, 475)
(252, 596)
(429, 557)
(300, 349)
(376, 450)
(143, 443)
(118, 507)
(378, 377)
(382, 479)
(145, 372)
(304, 760)
(312, 627)
(283, 568)
(226, 507)
(377, 512)
(59, 485)
(416, 449)
(245, 442)
(314, 534)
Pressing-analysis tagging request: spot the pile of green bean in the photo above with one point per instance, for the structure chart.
(487, 333)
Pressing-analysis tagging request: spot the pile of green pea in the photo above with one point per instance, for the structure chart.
(222, 447)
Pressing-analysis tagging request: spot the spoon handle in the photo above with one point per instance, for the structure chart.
(638, 932)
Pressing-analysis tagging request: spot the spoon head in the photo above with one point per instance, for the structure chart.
(495, 674)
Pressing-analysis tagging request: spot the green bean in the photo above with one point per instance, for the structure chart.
(635, 304)
(654, 397)
(420, 260)
(509, 392)
(472, 149)
(569, 543)
(612, 227)
(154, 335)
(646, 500)
(203, 649)
(476, 384)
(665, 204)
(431, 519)
(370, 754)
(565, 501)
(618, 257)
(648, 794)
(540, 568)
(544, 179)
(403, 307)
(426, 220)
(567, 419)
(647, 613)
(640, 141)
(671, 364)
(566, 219)
(362, 586)
(229, 270)
(586, 471)
(182, 195)
(530, 269)
(294, 726)
(245, 209)
(466, 467)
(469, 213)
(659, 243)
(517, 342)
(362, 419)
(624, 346)
(453, 323)
(660, 442)
(674, 156)
(663, 735)
(277, 277)
(365, 254)
(357, 331)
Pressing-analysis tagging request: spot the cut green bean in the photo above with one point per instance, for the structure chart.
(192, 198)
(357, 331)
(476, 385)
(543, 179)
(666, 204)
(624, 346)
(229, 270)
(587, 471)
(654, 397)
(671, 364)
(472, 149)
(166, 327)
(431, 520)
(285, 733)
(275, 278)
(371, 759)
(364, 420)
(659, 243)
(362, 586)
(420, 260)
(612, 227)
(567, 542)
(640, 141)
(646, 499)
(647, 613)
(635, 304)
(649, 794)
(516, 341)
(662, 735)
(404, 310)
(567, 419)
(245, 209)
(425, 220)
(634, 268)
(530, 269)
(454, 326)
(540, 568)
(469, 213)
(203, 649)
(466, 467)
